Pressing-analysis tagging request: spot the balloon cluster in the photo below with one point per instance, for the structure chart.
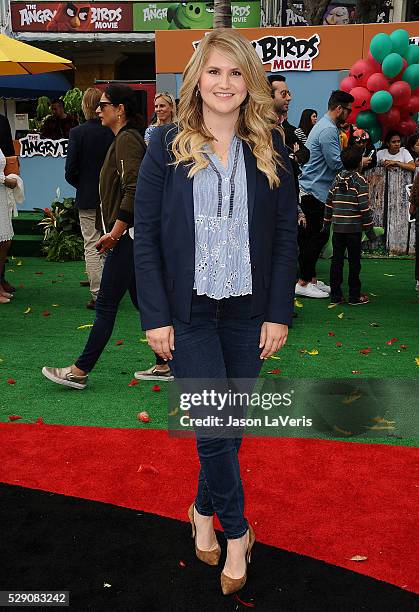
(385, 86)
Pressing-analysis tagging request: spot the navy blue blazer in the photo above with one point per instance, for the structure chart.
(87, 147)
(164, 239)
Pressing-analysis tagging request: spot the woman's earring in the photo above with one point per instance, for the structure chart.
(197, 92)
(119, 117)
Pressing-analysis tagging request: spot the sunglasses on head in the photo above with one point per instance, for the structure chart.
(359, 138)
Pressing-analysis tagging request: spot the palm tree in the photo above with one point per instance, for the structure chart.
(222, 14)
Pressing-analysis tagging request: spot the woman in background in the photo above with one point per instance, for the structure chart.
(6, 228)
(413, 147)
(393, 155)
(117, 110)
(165, 112)
(307, 120)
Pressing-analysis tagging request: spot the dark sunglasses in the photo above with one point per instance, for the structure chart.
(102, 105)
(349, 110)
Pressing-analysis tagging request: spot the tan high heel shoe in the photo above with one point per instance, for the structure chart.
(232, 585)
(210, 557)
(4, 299)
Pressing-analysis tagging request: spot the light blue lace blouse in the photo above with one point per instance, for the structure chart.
(222, 255)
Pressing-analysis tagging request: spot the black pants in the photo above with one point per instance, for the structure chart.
(341, 242)
(310, 240)
(118, 277)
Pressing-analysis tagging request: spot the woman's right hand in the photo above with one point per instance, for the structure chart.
(162, 341)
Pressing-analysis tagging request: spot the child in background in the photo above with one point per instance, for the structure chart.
(414, 213)
(347, 209)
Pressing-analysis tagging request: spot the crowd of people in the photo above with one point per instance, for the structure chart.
(204, 223)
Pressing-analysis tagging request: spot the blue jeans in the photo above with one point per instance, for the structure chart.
(222, 342)
(118, 277)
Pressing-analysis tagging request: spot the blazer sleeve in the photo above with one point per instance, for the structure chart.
(72, 162)
(152, 299)
(284, 255)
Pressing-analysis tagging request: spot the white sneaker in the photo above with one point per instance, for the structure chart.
(322, 286)
(417, 285)
(310, 290)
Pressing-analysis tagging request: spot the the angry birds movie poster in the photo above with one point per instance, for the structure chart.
(72, 17)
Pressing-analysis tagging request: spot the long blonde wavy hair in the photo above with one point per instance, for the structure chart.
(257, 116)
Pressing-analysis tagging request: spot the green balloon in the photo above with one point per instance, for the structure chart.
(411, 75)
(366, 120)
(392, 65)
(381, 101)
(412, 54)
(380, 46)
(375, 133)
(400, 40)
(415, 117)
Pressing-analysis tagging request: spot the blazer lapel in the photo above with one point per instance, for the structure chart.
(187, 193)
(250, 163)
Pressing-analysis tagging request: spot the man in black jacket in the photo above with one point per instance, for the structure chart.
(299, 154)
(87, 148)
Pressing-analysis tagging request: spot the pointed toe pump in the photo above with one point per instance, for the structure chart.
(232, 585)
(210, 557)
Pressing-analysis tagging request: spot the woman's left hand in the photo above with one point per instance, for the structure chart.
(272, 337)
(105, 243)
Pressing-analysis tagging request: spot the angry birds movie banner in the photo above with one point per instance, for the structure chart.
(125, 16)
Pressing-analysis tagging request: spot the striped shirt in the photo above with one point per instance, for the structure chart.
(347, 205)
(301, 135)
(222, 254)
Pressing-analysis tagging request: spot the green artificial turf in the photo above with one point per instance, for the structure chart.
(30, 341)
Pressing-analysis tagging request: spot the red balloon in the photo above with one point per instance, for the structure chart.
(413, 104)
(347, 84)
(361, 70)
(399, 76)
(373, 63)
(377, 82)
(352, 116)
(404, 114)
(390, 118)
(407, 127)
(362, 98)
(400, 90)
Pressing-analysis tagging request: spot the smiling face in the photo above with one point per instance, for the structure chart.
(222, 86)
(163, 111)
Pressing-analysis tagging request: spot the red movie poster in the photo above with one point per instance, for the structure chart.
(72, 17)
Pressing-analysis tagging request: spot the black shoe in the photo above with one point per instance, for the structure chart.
(85, 283)
(337, 300)
(91, 305)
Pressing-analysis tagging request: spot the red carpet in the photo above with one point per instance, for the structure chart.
(328, 500)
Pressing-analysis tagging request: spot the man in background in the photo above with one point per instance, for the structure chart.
(317, 178)
(59, 123)
(87, 148)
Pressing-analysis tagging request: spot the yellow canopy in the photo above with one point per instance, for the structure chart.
(19, 58)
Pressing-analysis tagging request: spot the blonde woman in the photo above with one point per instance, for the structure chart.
(215, 257)
(165, 111)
